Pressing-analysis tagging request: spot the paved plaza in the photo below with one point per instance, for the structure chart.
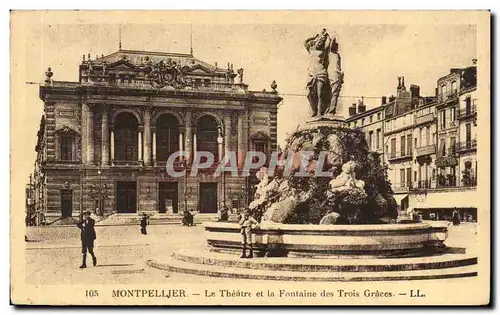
(53, 254)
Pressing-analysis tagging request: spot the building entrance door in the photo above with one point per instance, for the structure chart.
(126, 197)
(208, 198)
(66, 203)
(168, 195)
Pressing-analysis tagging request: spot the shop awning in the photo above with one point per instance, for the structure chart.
(450, 199)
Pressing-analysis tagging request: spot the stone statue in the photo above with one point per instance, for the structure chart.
(347, 179)
(323, 87)
(239, 77)
(48, 76)
(260, 188)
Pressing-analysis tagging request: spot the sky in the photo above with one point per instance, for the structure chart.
(373, 56)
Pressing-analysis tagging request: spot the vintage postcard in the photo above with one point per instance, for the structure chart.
(250, 158)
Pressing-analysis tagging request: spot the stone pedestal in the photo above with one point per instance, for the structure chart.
(333, 121)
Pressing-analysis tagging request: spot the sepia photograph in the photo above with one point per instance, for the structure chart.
(250, 158)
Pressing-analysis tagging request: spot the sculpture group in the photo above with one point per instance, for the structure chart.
(325, 76)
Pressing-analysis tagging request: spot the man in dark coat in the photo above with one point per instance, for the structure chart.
(144, 223)
(87, 236)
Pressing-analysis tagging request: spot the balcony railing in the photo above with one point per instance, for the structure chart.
(450, 151)
(146, 83)
(449, 124)
(400, 187)
(423, 184)
(425, 150)
(446, 181)
(399, 155)
(467, 145)
(424, 119)
(449, 96)
(467, 112)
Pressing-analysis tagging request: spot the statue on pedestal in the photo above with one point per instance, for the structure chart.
(324, 84)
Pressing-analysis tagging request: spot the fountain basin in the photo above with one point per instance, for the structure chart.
(318, 241)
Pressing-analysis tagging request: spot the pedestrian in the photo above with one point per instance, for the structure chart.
(224, 214)
(87, 236)
(144, 223)
(455, 218)
(187, 219)
(247, 223)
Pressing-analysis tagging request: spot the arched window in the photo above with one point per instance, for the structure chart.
(167, 136)
(67, 144)
(206, 135)
(126, 126)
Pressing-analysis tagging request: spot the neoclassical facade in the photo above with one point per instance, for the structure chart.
(107, 138)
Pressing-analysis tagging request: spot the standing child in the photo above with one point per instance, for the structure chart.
(247, 223)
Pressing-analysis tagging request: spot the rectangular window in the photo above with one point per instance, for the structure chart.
(420, 132)
(378, 116)
(453, 87)
(378, 138)
(402, 177)
(428, 135)
(66, 148)
(453, 113)
(362, 121)
(371, 118)
(467, 106)
(409, 146)
(393, 147)
(453, 142)
(442, 147)
(468, 134)
(370, 140)
(408, 177)
(403, 145)
(443, 119)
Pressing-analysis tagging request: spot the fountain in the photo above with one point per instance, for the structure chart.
(339, 215)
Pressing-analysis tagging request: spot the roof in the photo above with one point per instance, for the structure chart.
(138, 58)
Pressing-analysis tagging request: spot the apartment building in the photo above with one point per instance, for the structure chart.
(428, 143)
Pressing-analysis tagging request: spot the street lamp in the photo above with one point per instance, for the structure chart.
(220, 141)
(98, 193)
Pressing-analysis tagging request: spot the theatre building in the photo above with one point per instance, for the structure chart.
(106, 139)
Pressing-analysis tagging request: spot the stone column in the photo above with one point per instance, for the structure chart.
(195, 149)
(180, 140)
(220, 150)
(241, 140)
(153, 130)
(181, 146)
(112, 144)
(188, 136)
(90, 128)
(139, 144)
(105, 136)
(147, 136)
(227, 134)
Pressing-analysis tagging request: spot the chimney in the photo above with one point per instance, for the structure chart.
(403, 87)
(361, 107)
(352, 109)
(399, 83)
(474, 61)
(384, 100)
(415, 91)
